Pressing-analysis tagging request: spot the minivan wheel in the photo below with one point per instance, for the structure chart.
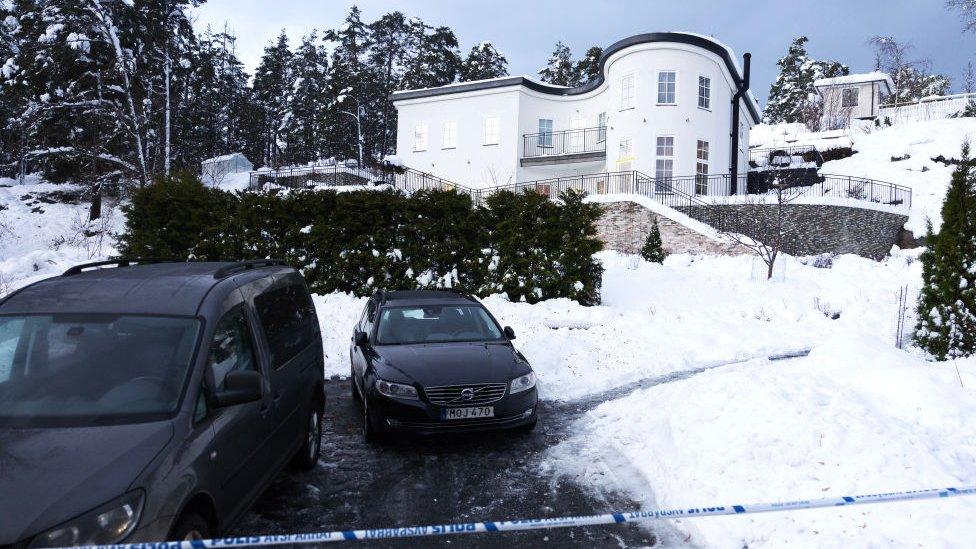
(191, 527)
(308, 454)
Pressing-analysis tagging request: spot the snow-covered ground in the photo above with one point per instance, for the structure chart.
(855, 416)
(876, 148)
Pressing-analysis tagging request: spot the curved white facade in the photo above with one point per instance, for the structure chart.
(665, 104)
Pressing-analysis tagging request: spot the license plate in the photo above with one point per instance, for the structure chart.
(468, 413)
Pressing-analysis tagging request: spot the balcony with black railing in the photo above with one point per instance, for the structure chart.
(561, 147)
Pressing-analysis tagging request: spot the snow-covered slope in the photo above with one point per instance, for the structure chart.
(876, 148)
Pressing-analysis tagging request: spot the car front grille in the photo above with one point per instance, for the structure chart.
(455, 395)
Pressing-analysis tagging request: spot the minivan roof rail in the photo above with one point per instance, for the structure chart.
(78, 269)
(227, 270)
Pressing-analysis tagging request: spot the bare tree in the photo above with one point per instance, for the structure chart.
(969, 79)
(967, 9)
(762, 225)
(891, 56)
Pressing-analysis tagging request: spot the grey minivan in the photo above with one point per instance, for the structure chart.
(151, 400)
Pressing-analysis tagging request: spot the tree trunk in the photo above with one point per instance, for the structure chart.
(167, 70)
(95, 211)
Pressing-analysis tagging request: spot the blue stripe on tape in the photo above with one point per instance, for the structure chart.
(562, 522)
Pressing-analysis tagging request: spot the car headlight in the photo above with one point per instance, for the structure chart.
(522, 383)
(110, 523)
(395, 390)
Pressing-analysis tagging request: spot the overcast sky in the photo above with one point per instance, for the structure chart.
(525, 31)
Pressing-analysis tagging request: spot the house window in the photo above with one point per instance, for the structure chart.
(625, 149)
(420, 137)
(664, 163)
(848, 97)
(450, 134)
(666, 86)
(491, 130)
(545, 133)
(627, 92)
(701, 167)
(601, 124)
(704, 92)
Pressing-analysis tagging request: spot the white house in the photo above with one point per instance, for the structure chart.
(852, 97)
(666, 104)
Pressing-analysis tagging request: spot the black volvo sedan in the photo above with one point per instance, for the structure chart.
(437, 361)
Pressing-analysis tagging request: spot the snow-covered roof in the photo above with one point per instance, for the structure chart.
(225, 158)
(863, 78)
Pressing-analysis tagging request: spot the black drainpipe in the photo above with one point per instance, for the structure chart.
(739, 94)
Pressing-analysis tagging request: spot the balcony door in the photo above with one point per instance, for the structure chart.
(577, 140)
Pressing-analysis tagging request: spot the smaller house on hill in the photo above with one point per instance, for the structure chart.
(213, 171)
(852, 97)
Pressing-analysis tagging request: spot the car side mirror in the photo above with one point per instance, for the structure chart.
(509, 332)
(361, 339)
(240, 387)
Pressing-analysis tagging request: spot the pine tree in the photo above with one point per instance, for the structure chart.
(790, 96)
(653, 249)
(484, 62)
(347, 85)
(389, 39)
(434, 59)
(559, 69)
(306, 129)
(587, 69)
(273, 82)
(947, 304)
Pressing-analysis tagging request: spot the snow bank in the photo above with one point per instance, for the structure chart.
(660, 319)
(856, 416)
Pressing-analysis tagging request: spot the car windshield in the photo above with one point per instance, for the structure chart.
(436, 324)
(92, 369)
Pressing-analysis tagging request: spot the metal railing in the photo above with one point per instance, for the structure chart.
(784, 157)
(695, 196)
(928, 108)
(566, 142)
(338, 175)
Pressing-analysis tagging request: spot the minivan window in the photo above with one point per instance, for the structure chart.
(231, 348)
(436, 324)
(288, 321)
(89, 369)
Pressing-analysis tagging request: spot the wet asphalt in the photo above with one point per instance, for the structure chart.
(437, 480)
(415, 481)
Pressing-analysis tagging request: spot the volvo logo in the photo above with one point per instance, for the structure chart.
(467, 393)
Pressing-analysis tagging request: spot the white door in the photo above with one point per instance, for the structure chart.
(577, 139)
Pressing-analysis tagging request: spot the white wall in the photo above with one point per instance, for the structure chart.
(521, 108)
(472, 162)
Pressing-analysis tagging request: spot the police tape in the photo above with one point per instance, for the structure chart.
(535, 524)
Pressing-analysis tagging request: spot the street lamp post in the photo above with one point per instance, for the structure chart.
(359, 131)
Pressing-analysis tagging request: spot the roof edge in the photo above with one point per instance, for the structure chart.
(646, 38)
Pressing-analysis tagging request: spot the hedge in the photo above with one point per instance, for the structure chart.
(523, 245)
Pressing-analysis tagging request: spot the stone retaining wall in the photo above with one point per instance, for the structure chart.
(821, 228)
(624, 227)
(815, 229)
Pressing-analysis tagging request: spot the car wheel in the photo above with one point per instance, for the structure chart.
(308, 454)
(372, 431)
(191, 527)
(352, 385)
